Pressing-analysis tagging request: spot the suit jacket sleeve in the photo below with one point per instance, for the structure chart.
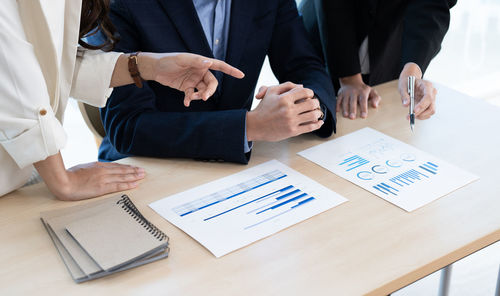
(293, 58)
(424, 26)
(135, 126)
(342, 45)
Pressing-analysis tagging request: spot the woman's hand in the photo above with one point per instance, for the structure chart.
(425, 93)
(190, 73)
(87, 180)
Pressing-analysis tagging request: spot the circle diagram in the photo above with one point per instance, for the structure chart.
(408, 157)
(394, 163)
(380, 169)
(365, 175)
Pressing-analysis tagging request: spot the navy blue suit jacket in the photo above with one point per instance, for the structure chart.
(153, 121)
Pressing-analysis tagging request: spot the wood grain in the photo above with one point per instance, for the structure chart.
(365, 246)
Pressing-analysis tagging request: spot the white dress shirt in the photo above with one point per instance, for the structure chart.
(214, 16)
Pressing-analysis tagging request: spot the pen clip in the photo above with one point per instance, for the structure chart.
(411, 85)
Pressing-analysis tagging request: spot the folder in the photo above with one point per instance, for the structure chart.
(104, 237)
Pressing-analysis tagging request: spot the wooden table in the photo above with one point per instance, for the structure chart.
(365, 246)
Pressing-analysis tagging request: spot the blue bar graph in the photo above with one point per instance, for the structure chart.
(407, 178)
(414, 175)
(299, 204)
(381, 190)
(231, 192)
(257, 199)
(287, 194)
(282, 203)
(386, 189)
(275, 201)
(354, 162)
(429, 167)
(432, 164)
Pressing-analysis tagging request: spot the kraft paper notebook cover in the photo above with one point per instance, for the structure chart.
(57, 225)
(75, 271)
(111, 229)
(55, 222)
(79, 276)
(124, 241)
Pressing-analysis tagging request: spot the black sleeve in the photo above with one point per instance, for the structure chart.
(425, 23)
(293, 58)
(341, 42)
(135, 126)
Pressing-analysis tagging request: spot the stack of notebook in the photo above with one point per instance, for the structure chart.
(104, 237)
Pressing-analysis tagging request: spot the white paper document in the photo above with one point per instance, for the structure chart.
(235, 211)
(388, 168)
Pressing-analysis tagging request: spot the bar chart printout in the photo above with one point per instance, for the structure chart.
(390, 169)
(235, 211)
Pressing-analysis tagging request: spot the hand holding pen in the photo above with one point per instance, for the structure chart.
(424, 93)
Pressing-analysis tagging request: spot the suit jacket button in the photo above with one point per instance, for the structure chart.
(43, 112)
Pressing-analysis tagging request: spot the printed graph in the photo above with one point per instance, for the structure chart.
(386, 189)
(291, 208)
(389, 168)
(407, 178)
(234, 211)
(429, 167)
(353, 162)
(270, 205)
(275, 195)
(231, 192)
(365, 175)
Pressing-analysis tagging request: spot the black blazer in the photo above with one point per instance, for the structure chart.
(399, 31)
(153, 121)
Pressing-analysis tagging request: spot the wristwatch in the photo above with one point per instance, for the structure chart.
(134, 69)
(322, 108)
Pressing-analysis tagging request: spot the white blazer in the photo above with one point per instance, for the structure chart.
(41, 66)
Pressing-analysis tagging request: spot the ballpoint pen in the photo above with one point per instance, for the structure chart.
(411, 91)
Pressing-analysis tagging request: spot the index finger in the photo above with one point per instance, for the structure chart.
(218, 65)
(283, 88)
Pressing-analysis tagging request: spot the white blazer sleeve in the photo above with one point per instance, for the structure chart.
(29, 130)
(92, 76)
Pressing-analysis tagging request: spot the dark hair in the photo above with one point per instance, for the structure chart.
(95, 19)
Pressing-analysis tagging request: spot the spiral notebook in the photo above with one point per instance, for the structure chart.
(104, 237)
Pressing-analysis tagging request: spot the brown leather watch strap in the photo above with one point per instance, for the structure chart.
(133, 63)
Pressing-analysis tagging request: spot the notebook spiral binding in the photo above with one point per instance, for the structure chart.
(129, 207)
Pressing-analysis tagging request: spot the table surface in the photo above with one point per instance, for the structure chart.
(364, 246)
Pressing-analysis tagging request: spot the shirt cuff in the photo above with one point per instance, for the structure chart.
(45, 138)
(247, 146)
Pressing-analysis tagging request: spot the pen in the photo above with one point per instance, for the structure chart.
(411, 91)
